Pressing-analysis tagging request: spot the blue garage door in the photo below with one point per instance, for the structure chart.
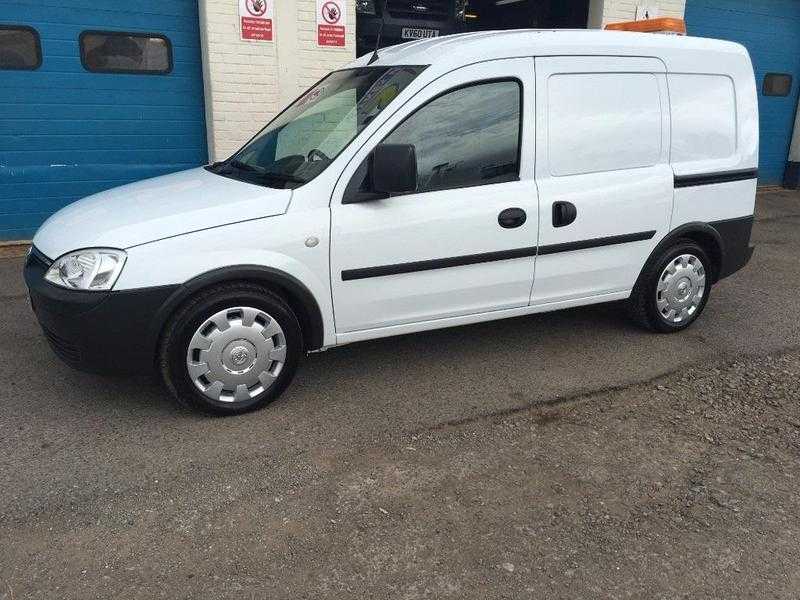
(117, 96)
(770, 30)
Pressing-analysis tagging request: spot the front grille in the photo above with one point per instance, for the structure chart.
(66, 350)
(436, 10)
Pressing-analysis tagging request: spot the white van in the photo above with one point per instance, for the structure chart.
(450, 181)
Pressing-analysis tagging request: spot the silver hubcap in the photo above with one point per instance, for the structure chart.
(680, 288)
(236, 354)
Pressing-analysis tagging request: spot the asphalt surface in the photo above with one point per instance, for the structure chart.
(560, 455)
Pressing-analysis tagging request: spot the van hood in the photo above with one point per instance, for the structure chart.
(157, 208)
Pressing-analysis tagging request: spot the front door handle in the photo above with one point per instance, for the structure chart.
(511, 217)
(564, 213)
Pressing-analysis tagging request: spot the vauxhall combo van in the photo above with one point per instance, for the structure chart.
(436, 183)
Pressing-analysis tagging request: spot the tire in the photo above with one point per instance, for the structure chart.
(230, 349)
(658, 292)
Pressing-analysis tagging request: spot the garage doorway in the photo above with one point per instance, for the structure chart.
(485, 15)
(405, 20)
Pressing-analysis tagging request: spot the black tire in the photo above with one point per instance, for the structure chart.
(642, 304)
(183, 324)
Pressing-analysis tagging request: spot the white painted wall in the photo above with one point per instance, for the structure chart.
(603, 12)
(247, 82)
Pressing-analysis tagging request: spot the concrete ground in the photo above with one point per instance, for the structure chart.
(566, 455)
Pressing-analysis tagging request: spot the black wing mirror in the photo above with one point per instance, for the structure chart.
(394, 169)
(390, 169)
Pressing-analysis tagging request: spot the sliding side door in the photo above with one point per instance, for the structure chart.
(603, 173)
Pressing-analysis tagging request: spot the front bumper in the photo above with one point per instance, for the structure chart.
(100, 332)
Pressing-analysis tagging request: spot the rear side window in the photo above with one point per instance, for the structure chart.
(20, 48)
(466, 137)
(703, 117)
(603, 122)
(118, 52)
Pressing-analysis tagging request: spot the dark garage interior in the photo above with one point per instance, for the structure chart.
(519, 14)
(404, 20)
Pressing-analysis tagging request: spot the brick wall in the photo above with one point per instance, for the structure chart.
(315, 62)
(247, 82)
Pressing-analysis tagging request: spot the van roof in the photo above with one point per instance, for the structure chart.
(452, 51)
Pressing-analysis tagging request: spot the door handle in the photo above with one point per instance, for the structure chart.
(564, 213)
(511, 217)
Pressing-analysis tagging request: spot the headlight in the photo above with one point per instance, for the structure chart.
(365, 7)
(90, 269)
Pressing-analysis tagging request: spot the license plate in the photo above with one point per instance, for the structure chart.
(418, 33)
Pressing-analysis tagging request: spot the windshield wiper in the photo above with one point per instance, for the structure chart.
(283, 177)
(226, 167)
(240, 166)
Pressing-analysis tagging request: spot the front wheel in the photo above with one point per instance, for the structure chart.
(673, 290)
(231, 349)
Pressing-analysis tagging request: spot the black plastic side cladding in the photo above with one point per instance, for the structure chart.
(736, 249)
(310, 321)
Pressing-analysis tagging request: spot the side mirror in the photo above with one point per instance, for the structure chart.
(394, 168)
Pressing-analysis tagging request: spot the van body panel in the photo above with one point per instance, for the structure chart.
(715, 141)
(278, 242)
(156, 208)
(708, 203)
(456, 227)
(603, 140)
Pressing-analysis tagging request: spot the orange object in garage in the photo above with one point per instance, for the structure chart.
(665, 25)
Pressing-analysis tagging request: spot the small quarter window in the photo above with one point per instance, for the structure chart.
(20, 48)
(117, 52)
(777, 84)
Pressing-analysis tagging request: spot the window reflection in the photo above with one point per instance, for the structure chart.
(123, 52)
(467, 137)
(19, 48)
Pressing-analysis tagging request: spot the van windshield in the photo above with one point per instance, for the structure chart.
(303, 140)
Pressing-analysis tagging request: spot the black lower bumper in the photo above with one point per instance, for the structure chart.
(736, 248)
(100, 332)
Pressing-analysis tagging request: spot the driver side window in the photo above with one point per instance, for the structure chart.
(466, 137)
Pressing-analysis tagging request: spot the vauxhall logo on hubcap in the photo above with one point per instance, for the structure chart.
(239, 355)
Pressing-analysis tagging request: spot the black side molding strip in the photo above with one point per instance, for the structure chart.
(682, 181)
(596, 242)
(472, 259)
(437, 263)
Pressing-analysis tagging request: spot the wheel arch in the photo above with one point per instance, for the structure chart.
(299, 297)
(702, 234)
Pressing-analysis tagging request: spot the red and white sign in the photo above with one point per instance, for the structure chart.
(256, 19)
(331, 22)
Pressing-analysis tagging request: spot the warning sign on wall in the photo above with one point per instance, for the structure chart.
(256, 19)
(331, 22)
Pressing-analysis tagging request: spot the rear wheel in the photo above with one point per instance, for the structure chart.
(674, 288)
(231, 349)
